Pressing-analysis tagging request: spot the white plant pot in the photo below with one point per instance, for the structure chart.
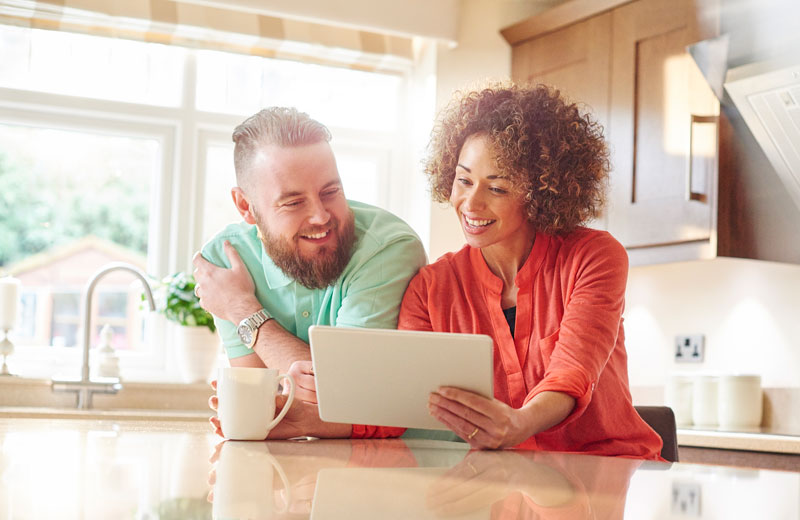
(197, 350)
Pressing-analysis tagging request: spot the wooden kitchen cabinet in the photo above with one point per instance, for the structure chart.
(628, 62)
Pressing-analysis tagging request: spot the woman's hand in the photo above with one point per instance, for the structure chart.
(483, 423)
(492, 424)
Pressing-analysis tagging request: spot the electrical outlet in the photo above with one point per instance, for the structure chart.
(690, 348)
(686, 498)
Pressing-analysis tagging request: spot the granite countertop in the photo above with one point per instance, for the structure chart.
(96, 469)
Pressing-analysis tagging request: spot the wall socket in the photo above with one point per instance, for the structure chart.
(690, 348)
(686, 499)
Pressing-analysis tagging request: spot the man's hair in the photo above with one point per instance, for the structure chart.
(278, 126)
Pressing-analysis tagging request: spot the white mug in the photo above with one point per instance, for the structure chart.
(246, 401)
(740, 402)
(244, 482)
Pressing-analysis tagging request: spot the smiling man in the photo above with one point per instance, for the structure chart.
(303, 255)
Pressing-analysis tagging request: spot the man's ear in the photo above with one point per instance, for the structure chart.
(242, 205)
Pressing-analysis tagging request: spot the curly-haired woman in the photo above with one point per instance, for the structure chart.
(525, 170)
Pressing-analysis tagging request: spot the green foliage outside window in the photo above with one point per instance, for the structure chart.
(40, 213)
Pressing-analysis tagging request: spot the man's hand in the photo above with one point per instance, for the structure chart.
(305, 384)
(226, 293)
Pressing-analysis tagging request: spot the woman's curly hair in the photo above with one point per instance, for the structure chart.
(552, 153)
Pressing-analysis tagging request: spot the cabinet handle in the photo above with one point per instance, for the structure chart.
(695, 119)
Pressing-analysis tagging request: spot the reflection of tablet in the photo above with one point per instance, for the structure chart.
(394, 493)
(384, 377)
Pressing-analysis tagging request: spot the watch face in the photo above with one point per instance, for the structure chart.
(245, 334)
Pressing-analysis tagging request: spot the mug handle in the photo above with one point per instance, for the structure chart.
(285, 408)
(279, 469)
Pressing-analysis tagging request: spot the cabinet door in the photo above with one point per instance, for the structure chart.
(576, 60)
(662, 125)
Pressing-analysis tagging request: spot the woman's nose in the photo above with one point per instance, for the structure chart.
(473, 200)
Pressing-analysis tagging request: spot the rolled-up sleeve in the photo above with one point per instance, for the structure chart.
(590, 325)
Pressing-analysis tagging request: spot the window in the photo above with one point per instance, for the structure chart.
(117, 150)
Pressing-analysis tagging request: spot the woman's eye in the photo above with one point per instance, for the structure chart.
(464, 181)
(499, 191)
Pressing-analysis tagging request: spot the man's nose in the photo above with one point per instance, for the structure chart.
(319, 214)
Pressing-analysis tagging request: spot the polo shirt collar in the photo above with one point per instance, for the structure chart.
(272, 273)
(532, 264)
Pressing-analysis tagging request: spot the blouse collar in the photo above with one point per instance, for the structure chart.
(531, 266)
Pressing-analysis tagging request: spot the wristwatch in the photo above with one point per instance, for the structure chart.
(248, 327)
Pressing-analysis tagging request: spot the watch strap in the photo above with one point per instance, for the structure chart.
(258, 318)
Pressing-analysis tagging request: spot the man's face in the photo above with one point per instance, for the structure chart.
(298, 205)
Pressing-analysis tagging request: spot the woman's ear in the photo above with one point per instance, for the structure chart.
(243, 205)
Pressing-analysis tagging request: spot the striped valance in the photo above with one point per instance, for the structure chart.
(179, 23)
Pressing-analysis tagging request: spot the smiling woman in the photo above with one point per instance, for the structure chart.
(120, 150)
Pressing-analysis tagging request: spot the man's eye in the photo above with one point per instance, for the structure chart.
(330, 193)
(293, 203)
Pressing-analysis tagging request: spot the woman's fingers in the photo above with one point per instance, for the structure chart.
(469, 414)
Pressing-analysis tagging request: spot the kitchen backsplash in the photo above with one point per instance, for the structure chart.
(748, 310)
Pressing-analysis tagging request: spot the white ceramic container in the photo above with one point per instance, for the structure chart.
(740, 402)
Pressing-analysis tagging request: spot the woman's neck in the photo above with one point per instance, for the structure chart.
(506, 258)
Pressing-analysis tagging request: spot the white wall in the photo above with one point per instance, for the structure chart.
(747, 309)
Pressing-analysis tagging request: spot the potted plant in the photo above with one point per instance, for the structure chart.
(197, 344)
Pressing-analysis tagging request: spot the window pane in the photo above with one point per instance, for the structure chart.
(359, 178)
(91, 66)
(235, 84)
(218, 208)
(112, 304)
(66, 304)
(71, 202)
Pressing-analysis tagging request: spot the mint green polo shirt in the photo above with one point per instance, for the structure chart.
(386, 255)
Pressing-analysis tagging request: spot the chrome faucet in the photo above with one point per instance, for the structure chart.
(85, 387)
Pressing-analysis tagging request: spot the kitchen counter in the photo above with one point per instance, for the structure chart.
(761, 439)
(86, 469)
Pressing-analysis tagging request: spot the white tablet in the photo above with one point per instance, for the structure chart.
(383, 377)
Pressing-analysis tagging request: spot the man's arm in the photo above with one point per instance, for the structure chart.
(229, 294)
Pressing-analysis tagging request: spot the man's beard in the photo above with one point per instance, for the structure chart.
(324, 268)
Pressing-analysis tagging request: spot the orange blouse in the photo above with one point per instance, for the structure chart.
(569, 336)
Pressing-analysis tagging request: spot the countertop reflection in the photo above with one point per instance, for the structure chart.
(86, 469)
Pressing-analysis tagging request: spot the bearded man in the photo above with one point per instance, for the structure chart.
(303, 255)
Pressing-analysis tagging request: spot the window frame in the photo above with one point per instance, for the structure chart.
(175, 226)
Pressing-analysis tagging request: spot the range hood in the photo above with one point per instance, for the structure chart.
(767, 95)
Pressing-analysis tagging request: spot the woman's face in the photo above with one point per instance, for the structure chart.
(489, 211)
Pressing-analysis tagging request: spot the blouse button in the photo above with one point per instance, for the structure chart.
(306, 314)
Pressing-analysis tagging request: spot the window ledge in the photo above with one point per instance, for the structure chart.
(36, 393)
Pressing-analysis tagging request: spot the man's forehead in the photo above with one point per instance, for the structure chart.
(292, 171)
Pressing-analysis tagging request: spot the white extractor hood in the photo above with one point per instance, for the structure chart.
(767, 94)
